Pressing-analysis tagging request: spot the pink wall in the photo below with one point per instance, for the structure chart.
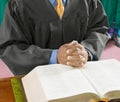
(4, 70)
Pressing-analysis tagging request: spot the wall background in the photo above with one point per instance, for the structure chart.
(2, 9)
(112, 8)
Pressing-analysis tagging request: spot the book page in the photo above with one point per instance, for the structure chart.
(56, 81)
(104, 75)
(33, 89)
(65, 85)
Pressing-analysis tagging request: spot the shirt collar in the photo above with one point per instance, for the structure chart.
(53, 1)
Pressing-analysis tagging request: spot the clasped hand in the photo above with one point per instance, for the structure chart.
(72, 54)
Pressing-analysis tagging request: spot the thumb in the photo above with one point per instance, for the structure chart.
(74, 42)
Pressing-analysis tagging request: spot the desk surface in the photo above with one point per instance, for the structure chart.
(11, 90)
(6, 92)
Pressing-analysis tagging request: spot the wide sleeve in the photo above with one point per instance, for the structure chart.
(16, 47)
(96, 36)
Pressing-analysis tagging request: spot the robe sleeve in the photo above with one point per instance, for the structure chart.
(16, 47)
(96, 35)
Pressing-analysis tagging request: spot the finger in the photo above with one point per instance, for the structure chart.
(74, 42)
(80, 52)
(83, 55)
(71, 49)
(75, 48)
(76, 59)
(75, 64)
(79, 47)
(73, 58)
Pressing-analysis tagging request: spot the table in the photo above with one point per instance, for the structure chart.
(11, 90)
(6, 92)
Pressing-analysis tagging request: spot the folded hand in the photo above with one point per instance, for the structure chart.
(72, 54)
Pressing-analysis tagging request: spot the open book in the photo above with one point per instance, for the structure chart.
(61, 83)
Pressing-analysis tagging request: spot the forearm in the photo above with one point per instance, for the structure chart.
(96, 35)
(17, 48)
(95, 44)
(22, 61)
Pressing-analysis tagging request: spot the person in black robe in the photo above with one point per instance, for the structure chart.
(31, 30)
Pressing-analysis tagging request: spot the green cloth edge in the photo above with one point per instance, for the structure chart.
(18, 90)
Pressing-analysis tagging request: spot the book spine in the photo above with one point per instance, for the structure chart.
(101, 100)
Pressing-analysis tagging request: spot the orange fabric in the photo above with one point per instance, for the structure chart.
(59, 8)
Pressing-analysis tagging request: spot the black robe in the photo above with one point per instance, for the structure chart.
(32, 29)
